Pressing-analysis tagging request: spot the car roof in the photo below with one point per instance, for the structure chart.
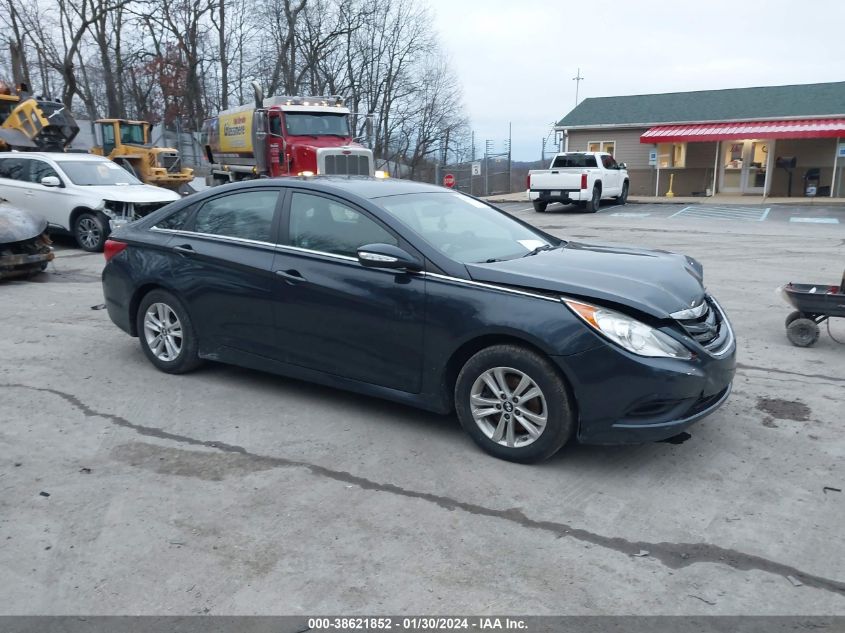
(362, 187)
(59, 156)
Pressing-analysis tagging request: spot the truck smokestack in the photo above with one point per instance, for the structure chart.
(259, 95)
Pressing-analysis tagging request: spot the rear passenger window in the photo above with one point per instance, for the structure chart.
(247, 215)
(13, 168)
(320, 224)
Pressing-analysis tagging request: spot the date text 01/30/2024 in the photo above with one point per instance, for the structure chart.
(416, 623)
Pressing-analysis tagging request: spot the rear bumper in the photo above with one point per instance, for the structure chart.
(558, 195)
(117, 292)
(627, 399)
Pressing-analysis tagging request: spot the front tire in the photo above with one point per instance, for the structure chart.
(540, 207)
(595, 201)
(90, 231)
(167, 333)
(803, 332)
(514, 404)
(623, 197)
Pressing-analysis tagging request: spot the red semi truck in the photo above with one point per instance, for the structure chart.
(284, 136)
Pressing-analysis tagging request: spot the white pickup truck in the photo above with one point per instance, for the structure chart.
(586, 178)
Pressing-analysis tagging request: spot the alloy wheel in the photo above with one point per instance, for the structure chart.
(508, 407)
(89, 232)
(163, 332)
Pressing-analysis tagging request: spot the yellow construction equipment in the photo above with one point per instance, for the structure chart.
(128, 144)
(30, 123)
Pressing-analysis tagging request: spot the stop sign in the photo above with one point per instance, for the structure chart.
(449, 180)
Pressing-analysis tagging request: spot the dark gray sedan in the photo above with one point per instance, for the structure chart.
(429, 297)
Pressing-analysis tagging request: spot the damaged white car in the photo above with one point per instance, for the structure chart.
(85, 195)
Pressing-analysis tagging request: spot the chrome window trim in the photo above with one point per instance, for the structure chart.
(213, 236)
(479, 284)
(308, 251)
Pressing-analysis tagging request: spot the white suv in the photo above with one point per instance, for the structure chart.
(82, 194)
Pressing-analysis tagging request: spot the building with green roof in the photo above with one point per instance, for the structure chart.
(769, 141)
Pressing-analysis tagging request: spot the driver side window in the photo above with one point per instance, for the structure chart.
(321, 224)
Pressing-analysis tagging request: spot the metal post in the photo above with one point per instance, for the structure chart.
(510, 137)
(716, 166)
(835, 159)
(486, 169)
(770, 159)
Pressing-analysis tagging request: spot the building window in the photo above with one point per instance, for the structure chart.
(602, 146)
(671, 155)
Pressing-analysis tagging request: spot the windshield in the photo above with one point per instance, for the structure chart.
(317, 124)
(463, 228)
(132, 134)
(92, 173)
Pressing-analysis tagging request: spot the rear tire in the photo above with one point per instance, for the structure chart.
(595, 202)
(537, 425)
(540, 207)
(90, 230)
(167, 333)
(802, 332)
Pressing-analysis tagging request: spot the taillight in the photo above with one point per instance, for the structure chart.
(583, 181)
(528, 181)
(112, 248)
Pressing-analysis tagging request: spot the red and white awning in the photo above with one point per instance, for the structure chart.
(807, 128)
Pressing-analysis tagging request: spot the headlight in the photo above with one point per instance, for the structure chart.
(629, 333)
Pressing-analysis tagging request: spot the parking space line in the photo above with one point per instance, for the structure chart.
(679, 212)
(815, 220)
(615, 206)
(748, 214)
(628, 214)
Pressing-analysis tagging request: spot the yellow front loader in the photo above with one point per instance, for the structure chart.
(128, 144)
(29, 123)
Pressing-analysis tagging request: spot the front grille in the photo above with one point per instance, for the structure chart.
(709, 329)
(170, 162)
(347, 165)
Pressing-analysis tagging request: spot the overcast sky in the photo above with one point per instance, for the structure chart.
(516, 59)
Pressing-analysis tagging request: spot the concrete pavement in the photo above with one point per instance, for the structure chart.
(226, 491)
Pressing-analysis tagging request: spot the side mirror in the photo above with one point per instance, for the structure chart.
(51, 181)
(387, 256)
(623, 166)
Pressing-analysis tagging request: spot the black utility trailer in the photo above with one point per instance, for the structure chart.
(814, 304)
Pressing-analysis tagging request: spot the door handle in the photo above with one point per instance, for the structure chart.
(291, 277)
(184, 249)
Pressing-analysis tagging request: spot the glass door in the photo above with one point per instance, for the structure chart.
(755, 176)
(744, 166)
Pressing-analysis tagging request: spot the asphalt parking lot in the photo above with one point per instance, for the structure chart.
(226, 491)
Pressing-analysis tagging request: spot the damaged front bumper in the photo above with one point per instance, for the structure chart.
(24, 245)
(29, 257)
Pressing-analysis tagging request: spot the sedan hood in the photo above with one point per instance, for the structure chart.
(655, 282)
(133, 193)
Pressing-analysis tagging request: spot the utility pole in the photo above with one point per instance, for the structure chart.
(577, 79)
